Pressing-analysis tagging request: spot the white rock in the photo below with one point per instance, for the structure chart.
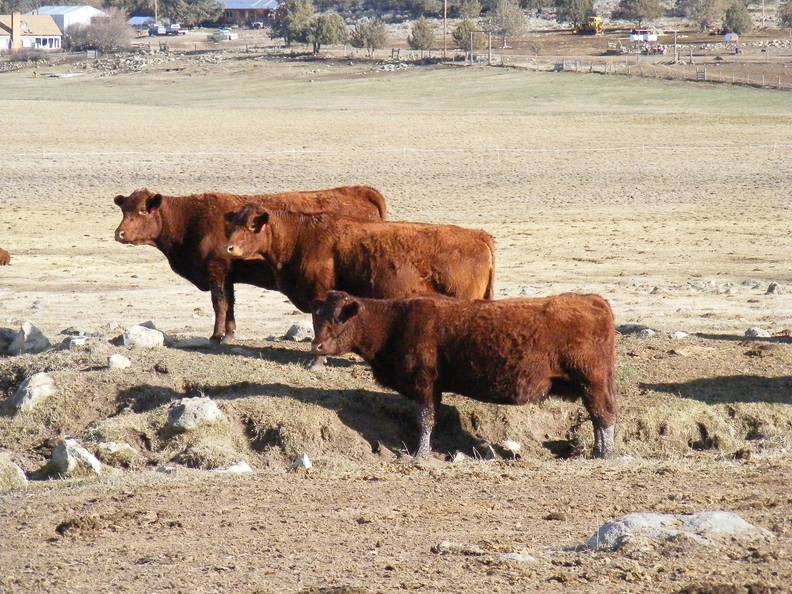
(679, 335)
(756, 332)
(71, 459)
(701, 528)
(199, 342)
(190, 413)
(33, 390)
(637, 329)
(75, 342)
(301, 331)
(521, 557)
(302, 462)
(238, 468)
(511, 446)
(459, 458)
(11, 475)
(29, 340)
(118, 361)
(142, 337)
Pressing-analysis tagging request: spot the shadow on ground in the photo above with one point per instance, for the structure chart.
(730, 389)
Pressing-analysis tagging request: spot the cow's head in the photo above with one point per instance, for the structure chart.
(336, 323)
(247, 233)
(142, 222)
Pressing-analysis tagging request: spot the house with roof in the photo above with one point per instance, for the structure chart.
(28, 32)
(141, 23)
(66, 16)
(244, 12)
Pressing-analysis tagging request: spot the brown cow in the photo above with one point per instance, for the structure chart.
(312, 255)
(190, 231)
(5, 257)
(511, 351)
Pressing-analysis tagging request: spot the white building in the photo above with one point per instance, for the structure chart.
(66, 16)
(27, 32)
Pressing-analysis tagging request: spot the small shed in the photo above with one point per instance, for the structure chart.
(245, 12)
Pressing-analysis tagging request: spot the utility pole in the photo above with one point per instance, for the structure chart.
(445, 27)
(676, 51)
(489, 50)
(156, 12)
(763, 14)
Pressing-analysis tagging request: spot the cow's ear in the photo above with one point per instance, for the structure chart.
(153, 203)
(119, 200)
(260, 220)
(350, 310)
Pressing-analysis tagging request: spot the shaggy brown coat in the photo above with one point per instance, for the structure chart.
(5, 257)
(191, 232)
(312, 255)
(511, 351)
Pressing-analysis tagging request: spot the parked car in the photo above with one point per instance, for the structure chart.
(224, 35)
(257, 25)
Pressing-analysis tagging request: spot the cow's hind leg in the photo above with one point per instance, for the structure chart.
(600, 401)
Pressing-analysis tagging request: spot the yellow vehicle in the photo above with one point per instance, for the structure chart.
(593, 26)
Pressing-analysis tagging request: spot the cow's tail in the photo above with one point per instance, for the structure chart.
(377, 199)
(490, 292)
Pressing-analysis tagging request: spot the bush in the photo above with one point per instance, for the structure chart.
(470, 9)
(422, 35)
(370, 35)
(737, 19)
(574, 11)
(326, 29)
(785, 14)
(638, 11)
(292, 21)
(190, 12)
(506, 18)
(105, 34)
(462, 36)
(705, 13)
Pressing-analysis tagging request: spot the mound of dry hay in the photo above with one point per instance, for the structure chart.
(275, 409)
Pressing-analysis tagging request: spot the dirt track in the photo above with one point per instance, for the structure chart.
(670, 200)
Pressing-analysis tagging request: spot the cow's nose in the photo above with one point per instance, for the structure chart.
(120, 234)
(230, 249)
(317, 348)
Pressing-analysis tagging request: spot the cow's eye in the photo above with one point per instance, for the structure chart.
(318, 311)
(252, 228)
(141, 212)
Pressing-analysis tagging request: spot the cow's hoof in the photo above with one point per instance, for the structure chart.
(228, 339)
(216, 338)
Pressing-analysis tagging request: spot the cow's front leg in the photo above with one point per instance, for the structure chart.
(230, 320)
(428, 410)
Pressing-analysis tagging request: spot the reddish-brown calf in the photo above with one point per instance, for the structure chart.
(511, 351)
(191, 232)
(5, 257)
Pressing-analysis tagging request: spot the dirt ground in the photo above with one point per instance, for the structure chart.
(669, 199)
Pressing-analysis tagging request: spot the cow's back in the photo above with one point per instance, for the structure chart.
(400, 260)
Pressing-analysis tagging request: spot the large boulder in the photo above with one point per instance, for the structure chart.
(70, 459)
(191, 413)
(11, 475)
(33, 390)
(116, 453)
(142, 337)
(29, 340)
(702, 527)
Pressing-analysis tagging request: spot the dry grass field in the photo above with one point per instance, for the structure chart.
(671, 200)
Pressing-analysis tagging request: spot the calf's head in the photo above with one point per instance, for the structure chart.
(142, 222)
(336, 323)
(247, 234)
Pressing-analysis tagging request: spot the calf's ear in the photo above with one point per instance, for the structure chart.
(260, 220)
(119, 200)
(153, 203)
(350, 310)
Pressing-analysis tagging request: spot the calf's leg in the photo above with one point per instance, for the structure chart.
(428, 407)
(230, 322)
(600, 401)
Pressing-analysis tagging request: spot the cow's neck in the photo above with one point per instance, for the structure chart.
(173, 215)
(379, 318)
(285, 237)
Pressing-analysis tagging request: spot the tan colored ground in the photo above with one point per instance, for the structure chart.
(671, 200)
